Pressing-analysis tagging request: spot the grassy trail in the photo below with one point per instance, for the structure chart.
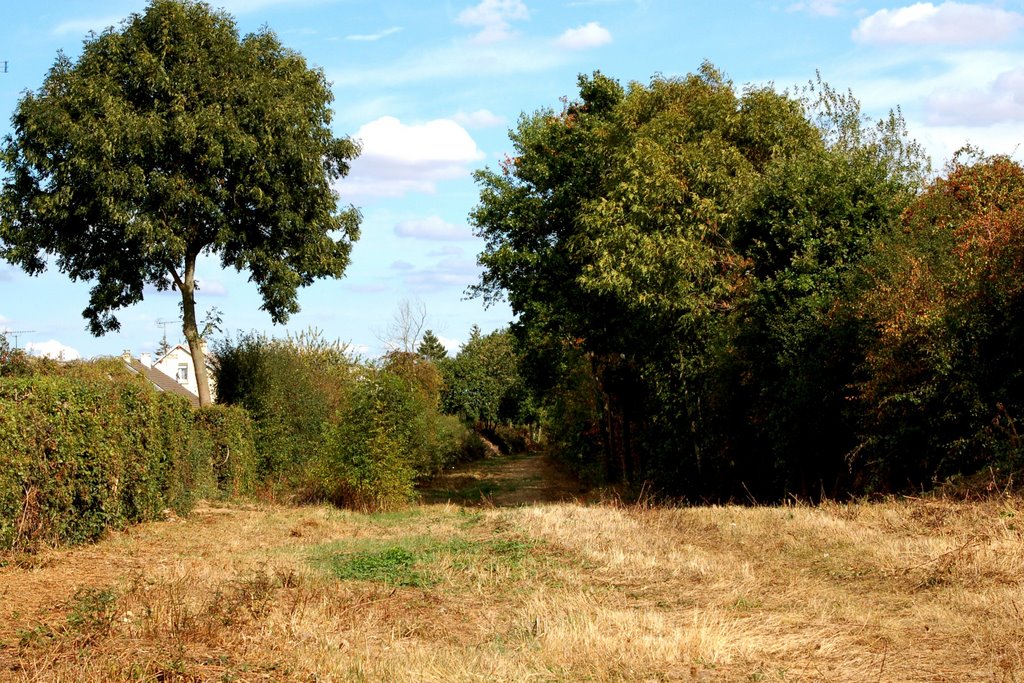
(505, 583)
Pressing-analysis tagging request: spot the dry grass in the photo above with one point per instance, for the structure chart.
(913, 590)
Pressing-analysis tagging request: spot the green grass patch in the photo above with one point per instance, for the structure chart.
(393, 566)
(420, 561)
(392, 518)
(476, 492)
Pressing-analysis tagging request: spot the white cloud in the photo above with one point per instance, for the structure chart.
(948, 23)
(583, 37)
(481, 118)
(446, 250)
(4, 322)
(401, 265)
(432, 228)
(356, 188)
(52, 349)
(435, 280)
(453, 345)
(944, 95)
(370, 37)
(493, 17)
(399, 158)
(1002, 100)
(441, 142)
(80, 27)
(453, 272)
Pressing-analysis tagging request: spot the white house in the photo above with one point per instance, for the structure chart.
(177, 363)
(174, 371)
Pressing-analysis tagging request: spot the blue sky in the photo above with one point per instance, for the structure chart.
(431, 89)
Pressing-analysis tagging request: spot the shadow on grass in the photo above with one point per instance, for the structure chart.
(504, 481)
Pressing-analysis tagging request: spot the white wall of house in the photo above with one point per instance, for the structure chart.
(177, 363)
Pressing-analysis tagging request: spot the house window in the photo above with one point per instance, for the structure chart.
(182, 375)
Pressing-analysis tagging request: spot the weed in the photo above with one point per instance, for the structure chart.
(93, 610)
(745, 604)
(392, 518)
(35, 635)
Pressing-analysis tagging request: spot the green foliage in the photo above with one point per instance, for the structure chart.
(431, 347)
(482, 384)
(93, 610)
(13, 362)
(330, 427)
(371, 452)
(679, 255)
(291, 388)
(392, 566)
(943, 382)
(234, 450)
(168, 138)
(91, 447)
(417, 561)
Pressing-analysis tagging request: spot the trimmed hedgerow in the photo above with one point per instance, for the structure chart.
(95, 448)
(234, 450)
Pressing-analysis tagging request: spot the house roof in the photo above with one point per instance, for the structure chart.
(161, 381)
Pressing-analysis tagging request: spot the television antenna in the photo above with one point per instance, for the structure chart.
(164, 324)
(15, 333)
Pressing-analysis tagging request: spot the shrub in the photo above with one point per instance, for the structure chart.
(372, 445)
(234, 450)
(329, 427)
(93, 447)
(291, 388)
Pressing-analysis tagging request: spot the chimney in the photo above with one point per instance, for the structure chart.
(126, 355)
(146, 359)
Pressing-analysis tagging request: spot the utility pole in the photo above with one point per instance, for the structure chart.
(15, 333)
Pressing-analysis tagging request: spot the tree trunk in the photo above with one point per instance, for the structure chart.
(187, 287)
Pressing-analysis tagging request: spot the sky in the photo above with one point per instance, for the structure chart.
(430, 89)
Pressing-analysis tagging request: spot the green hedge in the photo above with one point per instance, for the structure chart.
(234, 448)
(97, 448)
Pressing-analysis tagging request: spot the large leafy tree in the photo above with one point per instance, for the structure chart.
(169, 138)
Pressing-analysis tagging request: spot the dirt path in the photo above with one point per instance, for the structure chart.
(505, 481)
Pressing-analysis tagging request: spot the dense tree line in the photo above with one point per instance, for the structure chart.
(755, 294)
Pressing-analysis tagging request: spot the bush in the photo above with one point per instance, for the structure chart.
(291, 388)
(388, 436)
(329, 427)
(95, 447)
(369, 455)
(234, 450)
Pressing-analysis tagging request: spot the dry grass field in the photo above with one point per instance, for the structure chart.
(910, 590)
